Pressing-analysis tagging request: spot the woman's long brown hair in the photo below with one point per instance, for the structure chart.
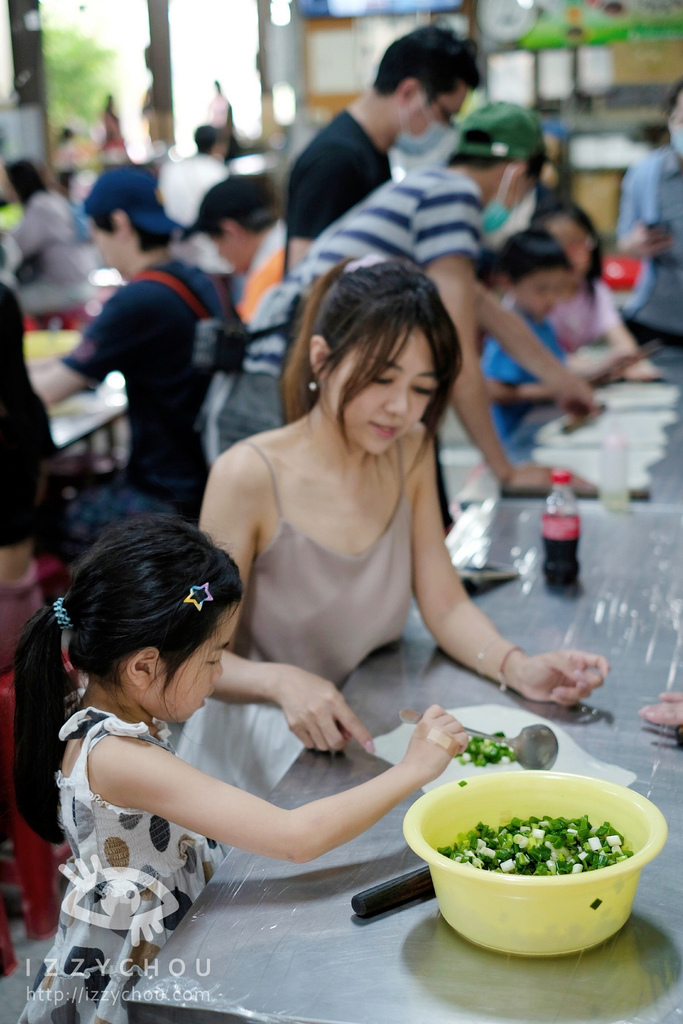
(371, 311)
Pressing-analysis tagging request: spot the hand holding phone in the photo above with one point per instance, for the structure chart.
(659, 239)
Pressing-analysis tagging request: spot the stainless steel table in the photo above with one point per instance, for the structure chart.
(269, 941)
(86, 412)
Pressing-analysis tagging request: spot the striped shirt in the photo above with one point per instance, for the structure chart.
(428, 215)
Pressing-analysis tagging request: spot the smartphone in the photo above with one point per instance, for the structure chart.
(661, 227)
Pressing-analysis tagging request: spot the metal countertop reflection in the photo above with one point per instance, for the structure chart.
(282, 940)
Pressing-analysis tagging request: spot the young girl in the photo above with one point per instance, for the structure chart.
(334, 522)
(589, 313)
(147, 618)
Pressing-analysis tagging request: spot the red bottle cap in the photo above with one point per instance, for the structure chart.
(560, 476)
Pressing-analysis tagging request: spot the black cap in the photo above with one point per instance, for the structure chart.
(236, 198)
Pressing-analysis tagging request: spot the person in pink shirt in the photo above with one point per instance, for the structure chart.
(588, 314)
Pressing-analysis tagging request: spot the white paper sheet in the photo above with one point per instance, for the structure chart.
(571, 757)
(642, 430)
(585, 462)
(626, 395)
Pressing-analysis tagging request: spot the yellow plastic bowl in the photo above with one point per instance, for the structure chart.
(530, 916)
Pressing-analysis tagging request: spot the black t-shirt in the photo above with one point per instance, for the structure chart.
(24, 432)
(337, 169)
(146, 331)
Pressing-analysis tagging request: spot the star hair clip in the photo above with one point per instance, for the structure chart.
(198, 595)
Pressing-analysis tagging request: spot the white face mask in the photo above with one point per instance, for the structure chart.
(420, 145)
(428, 140)
(677, 139)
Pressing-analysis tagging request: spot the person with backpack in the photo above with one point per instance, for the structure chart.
(146, 331)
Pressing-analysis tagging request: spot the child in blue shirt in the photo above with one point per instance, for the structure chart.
(534, 271)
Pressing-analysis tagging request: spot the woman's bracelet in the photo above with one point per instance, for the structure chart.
(501, 670)
(483, 652)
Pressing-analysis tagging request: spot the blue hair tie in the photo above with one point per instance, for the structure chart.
(61, 614)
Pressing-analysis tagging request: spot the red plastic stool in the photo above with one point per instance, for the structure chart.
(54, 576)
(34, 865)
(620, 273)
(8, 960)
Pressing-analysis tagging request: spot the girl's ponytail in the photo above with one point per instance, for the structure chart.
(297, 398)
(41, 687)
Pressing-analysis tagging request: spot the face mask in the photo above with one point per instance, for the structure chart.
(677, 140)
(494, 216)
(420, 145)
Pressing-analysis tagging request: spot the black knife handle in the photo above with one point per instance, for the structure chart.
(393, 893)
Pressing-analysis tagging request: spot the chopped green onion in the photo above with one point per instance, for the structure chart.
(540, 846)
(481, 752)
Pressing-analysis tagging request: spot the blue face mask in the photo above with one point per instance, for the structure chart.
(677, 140)
(494, 215)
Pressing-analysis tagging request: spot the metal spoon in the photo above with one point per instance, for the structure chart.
(535, 747)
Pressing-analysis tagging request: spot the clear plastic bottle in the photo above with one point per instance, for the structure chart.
(561, 530)
(613, 488)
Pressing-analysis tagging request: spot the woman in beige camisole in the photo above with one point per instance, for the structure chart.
(334, 522)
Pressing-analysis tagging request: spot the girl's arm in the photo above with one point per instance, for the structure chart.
(147, 778)
(622, 343)
(464, 632)
(237, 504)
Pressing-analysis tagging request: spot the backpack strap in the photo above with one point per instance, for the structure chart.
(171, 281)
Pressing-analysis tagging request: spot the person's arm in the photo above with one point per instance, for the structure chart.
(622, 343)
(454, 277)
(297, 248)
(572, 393)
(129, 773)
(511, 394)
(235, 510)
(464, 632)
(53, 380)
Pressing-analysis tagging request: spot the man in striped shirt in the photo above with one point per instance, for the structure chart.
(434, 218)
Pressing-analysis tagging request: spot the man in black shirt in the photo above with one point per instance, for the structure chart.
(421, 83)
(145, 331)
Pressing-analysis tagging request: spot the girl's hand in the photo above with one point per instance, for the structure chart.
(642, 371)
(316, 712)
(563, 677)
(669, 712)
(436, 740)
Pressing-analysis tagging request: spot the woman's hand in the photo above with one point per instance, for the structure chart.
(563, 677)
(669, 712)
(316, 712)
(435, 742)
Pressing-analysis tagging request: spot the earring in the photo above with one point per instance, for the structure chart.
(312, 385)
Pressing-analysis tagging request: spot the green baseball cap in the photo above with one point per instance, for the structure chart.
(502, 130)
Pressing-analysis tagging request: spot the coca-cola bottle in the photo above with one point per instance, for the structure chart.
(561, 529)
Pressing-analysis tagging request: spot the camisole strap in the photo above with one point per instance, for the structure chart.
(271, 470)
(401, 472)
